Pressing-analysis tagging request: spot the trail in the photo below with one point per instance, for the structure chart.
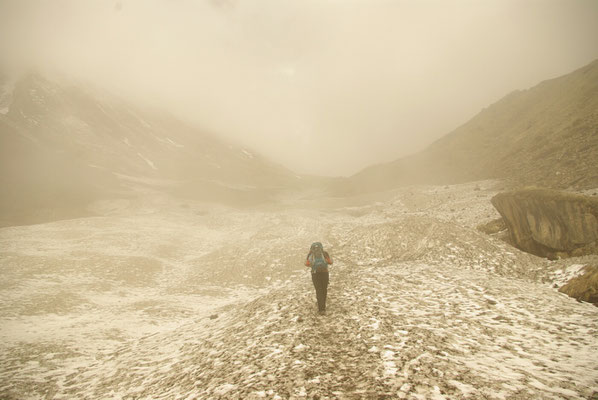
(401, 331)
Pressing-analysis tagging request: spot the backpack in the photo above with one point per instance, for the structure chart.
(317, 259)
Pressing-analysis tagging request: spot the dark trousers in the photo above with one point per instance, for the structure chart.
(320, 280)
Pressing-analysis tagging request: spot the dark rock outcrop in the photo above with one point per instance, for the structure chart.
(550, 223)
(584, 287)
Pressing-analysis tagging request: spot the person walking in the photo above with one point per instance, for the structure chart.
(318, 260)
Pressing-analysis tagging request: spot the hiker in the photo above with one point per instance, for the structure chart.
(318, 260)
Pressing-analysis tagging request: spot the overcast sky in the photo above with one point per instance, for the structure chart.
(322, 86)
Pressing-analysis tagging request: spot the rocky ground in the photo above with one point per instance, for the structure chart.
(156, 301)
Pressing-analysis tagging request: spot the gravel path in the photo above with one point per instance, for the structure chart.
(402, 331)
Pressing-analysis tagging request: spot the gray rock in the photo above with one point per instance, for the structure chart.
(550, 223)
(584, 287)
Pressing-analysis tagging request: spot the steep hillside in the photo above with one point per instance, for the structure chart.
(546, 135)
(64, 146)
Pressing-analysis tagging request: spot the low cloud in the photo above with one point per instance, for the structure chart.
(324, 86)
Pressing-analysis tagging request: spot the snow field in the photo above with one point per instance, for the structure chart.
(157, 302)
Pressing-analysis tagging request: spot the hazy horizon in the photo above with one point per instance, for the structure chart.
(322, 87)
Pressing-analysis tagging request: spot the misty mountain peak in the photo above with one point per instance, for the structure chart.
(98, 145)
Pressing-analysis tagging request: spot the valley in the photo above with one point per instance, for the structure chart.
(163, 298)
(145, 257)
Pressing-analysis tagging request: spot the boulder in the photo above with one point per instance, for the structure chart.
(550, 223)
(493, 227)
(584, 287)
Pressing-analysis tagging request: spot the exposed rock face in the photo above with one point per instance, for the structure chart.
(550, 223)
(584, 287)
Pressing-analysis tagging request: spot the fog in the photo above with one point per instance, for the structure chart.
(324, 87)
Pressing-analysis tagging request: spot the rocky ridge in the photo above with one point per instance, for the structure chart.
(544, 136)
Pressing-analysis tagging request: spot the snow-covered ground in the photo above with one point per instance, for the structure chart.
(162, 299)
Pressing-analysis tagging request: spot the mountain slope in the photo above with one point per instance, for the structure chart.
(546, 135)
(64, 145)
